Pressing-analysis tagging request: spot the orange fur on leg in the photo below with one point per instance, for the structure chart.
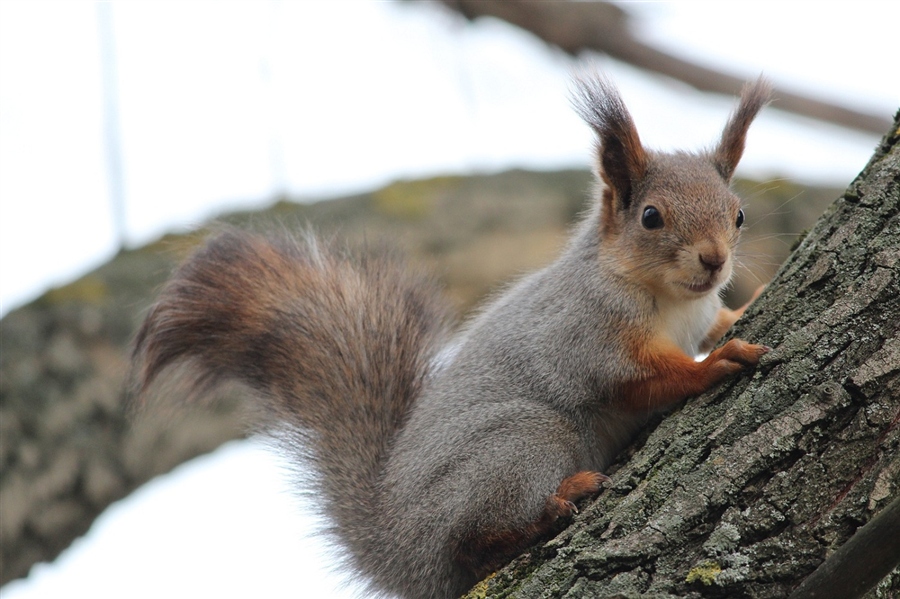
(674, 376)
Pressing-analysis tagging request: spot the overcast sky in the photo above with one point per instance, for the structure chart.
(223, 105)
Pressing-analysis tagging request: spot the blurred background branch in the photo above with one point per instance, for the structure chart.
(577, 27)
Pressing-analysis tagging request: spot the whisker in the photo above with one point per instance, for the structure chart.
(775, 211)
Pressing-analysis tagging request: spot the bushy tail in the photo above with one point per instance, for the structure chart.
(337, 347)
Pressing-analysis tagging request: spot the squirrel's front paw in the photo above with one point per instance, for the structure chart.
(738, 350)
(733, 357)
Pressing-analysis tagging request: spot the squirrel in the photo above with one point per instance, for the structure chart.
(437, 466)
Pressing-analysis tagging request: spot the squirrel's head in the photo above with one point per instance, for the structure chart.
(668, 220)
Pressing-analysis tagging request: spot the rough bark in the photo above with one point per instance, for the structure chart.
(603, 27)
(746, 490)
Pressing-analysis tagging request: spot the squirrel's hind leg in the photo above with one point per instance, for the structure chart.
(576, 487)
(489, 552)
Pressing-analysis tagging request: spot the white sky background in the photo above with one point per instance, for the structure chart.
(225, 104)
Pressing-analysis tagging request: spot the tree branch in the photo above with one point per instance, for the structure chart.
(578, 26)
(860, 563)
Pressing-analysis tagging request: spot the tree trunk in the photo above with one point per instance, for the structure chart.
(746, 490)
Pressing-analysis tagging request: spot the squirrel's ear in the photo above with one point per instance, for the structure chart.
(621, 157)
(728, 153)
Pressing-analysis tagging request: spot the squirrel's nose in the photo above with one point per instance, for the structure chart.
(712, 261)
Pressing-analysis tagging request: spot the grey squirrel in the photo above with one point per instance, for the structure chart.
(436, 470)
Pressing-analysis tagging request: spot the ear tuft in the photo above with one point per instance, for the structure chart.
(728, 153)
(621, 156)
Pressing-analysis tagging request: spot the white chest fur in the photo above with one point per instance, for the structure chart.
(686, 322)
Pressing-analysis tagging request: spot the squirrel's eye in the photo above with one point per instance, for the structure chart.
(651, 219)
(740, 219)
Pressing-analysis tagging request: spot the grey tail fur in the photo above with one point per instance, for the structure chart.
(336, 346)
